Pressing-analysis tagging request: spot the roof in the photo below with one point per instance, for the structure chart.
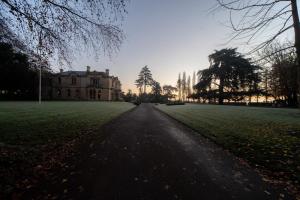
(80, 73)
(66, 73)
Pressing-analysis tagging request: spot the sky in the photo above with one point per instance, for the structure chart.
(170, 36)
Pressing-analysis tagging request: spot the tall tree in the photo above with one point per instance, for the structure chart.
(203, 86)
(231, 70)
(228, 76)
(58, 27)
(156, 91)
(266, 82)
(18, 79)
(179, 87)
(277, 17)
(283, 72)
(169, 91)
(194, 81)
(183, 86)
(144, 79)
(188, 85)
(139, 84)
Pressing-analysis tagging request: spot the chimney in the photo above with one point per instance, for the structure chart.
(88, 68)
(107, 72)
(61, 70)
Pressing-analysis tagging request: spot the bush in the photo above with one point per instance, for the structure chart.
(137, 103)
(173, 103)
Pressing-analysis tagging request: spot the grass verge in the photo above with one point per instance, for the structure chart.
(32, 134)
(268, 138)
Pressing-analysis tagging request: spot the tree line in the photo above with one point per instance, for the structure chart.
(185, 87)
(233, 78)
(54, 29)
(251, 20)
(35, 32)
(156, 94)
(230, 78)
(19, 74)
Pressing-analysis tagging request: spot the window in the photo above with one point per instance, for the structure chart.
(95, 82)
(69, 92)
(59, 80)
(92, 94)
(73, 80)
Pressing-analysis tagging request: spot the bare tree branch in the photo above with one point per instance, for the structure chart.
(58, 27)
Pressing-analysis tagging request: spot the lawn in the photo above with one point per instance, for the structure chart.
(28, 123)
(267, 137)
(35, 138)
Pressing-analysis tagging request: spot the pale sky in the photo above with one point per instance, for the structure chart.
(170, 36)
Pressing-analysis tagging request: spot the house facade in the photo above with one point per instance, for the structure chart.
(83, 85)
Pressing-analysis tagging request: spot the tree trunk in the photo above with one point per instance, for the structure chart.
(221, 88)
(297, 41)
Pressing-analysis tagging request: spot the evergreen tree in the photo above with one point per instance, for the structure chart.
(189, 90)
(144, 79)
(194, 81)
(18, 80)
(156, 91)
(230, 76)
(179, 87)
(184, 86)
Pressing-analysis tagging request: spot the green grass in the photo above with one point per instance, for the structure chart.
(267, 137)
(33, 134)
(28, 123)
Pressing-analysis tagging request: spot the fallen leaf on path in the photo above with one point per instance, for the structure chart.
(64, 180)
(81, 189)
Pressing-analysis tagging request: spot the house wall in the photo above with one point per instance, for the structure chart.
(108, 89)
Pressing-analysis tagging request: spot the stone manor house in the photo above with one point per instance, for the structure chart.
(83, 85)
